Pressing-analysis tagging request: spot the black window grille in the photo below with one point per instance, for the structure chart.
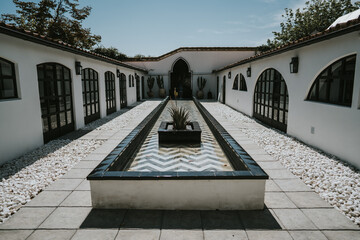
(236, 82)
(90, 91)
(8, 88)
(110, 92)
(243, 86)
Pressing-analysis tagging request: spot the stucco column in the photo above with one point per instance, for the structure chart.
(77, 101)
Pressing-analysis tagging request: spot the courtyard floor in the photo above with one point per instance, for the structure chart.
(62, 210)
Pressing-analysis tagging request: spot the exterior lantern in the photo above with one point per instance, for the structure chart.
(294, 65)
(229, 75)
(248, 72)
(78, 68)
(118, 73)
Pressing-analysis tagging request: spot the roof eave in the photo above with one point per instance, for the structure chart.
(67, 48)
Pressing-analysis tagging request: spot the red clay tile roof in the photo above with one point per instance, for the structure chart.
(338, 30)
(41, 39)
(183, 49)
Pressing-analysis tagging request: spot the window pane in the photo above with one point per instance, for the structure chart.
(53, 121)
(62, 119)
(45, 124)
(68, 117)
(6, 68)
(67, 87)
(9, 88)
(322, 90)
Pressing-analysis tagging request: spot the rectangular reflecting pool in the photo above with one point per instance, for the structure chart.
(140, 174)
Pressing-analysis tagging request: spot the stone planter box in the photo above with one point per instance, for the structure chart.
(191, 135)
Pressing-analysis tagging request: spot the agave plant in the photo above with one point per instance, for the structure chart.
(180, 117)
(201, 83)
(150, 82)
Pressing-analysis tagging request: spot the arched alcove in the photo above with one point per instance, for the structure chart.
(181, 79)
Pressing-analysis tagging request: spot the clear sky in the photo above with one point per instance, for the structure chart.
(155, 27)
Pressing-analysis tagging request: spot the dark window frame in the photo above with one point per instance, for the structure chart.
(56, 99)
(271, 99)
(123, 93)
(90, 92)
(329, 79)
(242, 84)
(110, 92)
(236, 83)
(11, 77)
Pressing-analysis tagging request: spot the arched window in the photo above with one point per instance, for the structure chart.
(271, 99)
(8, 87)
(110, 92)
(242, 83)
(123, 98)
(90, 87)
(236, 82)
(129, 80)
(335, 84)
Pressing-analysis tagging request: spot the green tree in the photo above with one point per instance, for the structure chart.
(57, 19)
(110, 52)
(316, 16)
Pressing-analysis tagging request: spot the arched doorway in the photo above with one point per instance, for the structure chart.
(181, 79)
(123, 97)
(55, 100)
(271, 99)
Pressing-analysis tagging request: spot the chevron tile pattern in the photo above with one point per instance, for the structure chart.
(173, 157)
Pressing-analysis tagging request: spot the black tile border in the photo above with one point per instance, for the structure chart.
(111, 168)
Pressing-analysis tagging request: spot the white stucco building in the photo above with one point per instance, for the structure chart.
(309, 88)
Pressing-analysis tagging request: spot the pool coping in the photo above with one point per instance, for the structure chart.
(122, 155)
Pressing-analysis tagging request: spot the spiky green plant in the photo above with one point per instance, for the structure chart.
(150, 82)
(180, 117)
(201, 83)
(160, 81)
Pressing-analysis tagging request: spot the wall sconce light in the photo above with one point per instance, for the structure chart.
(294, 65)
(136, 75)
(229, 75)
(248, 72)
(118, 73)
(78, 68)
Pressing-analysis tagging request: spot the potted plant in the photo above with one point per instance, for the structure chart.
(179, 130)
(201, 84)
(160, 83)
(150, 82)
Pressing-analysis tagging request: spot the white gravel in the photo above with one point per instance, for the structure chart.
(23, 178)
(333, 180)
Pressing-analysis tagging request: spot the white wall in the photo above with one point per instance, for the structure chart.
(201, 63)
(337, 128)
(20, 119)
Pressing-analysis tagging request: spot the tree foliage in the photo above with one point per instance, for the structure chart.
(316, 16)
(110, 52)
(58, 19)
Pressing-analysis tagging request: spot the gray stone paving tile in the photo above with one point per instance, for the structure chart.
(262, 157)
(66, 217)
(278, 200)
(181, 220)
(292, 185)
(144, 219)
(78, 199)
(181, 235)
(86, 164)
(294, 219)
(104, 218)
(307, 235)
(280, 174)
(342, 235)
(27, 218)
(48, 199)
(14, 234)
(250, 146)
(221, 220)
(270, 165)
(64, 184)
(260, 219)
(95, 234)
(256, 152)
(225, 235)
(138, 234)
(77, 173)
(51, 235)
(328, 219)
(307, 200)
(95, 157)
(271, 186)
(84, 186)
(268, 235)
